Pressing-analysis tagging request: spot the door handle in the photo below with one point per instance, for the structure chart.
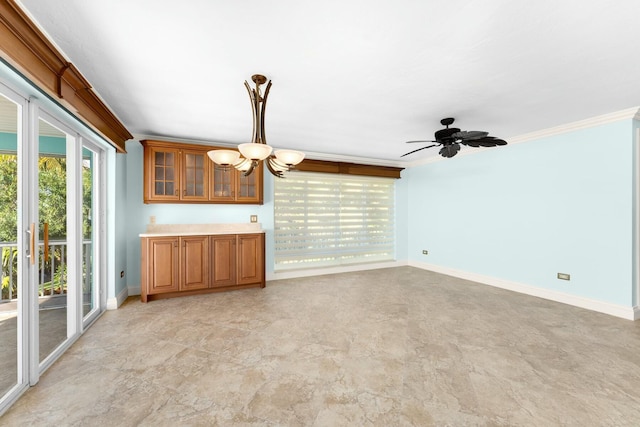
(46, 241)
(32, 243)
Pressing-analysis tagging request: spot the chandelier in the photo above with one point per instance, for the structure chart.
(252, 153)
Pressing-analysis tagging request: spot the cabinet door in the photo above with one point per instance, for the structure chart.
(195, 176)
(162, 182)
(249, 188)
(223, 260)
(223, 183)
(250, 261)
(194, 262)
(162, 265)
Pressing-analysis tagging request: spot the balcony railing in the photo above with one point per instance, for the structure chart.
(52, 271)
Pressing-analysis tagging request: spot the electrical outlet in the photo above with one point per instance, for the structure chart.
(425, 252)
(254, 218)
(122, 274)
(152, 219)
(564, 276)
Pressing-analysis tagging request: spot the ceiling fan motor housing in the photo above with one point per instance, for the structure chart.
(445, 135)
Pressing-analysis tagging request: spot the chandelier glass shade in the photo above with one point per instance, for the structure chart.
(257, 150)
(224, 157)
(253, 151)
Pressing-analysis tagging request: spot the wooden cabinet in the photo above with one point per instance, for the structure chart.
(174, 264)
(237, 259)
(250, 258)
(194, 176)
(162, 174)
(231, 186)
(194, 262)
(189, 265)
(161, 266)
(223, 260)
(183, 173)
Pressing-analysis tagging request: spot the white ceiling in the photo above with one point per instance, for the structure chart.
(354, 78)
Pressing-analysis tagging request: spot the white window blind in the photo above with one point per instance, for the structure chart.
(327, 220)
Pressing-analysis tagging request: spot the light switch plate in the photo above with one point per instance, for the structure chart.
(254, 218)
(564, 276)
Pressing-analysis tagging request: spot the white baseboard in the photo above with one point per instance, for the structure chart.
(293, 274)
(114, 303)
(629, 313)
(134, 290)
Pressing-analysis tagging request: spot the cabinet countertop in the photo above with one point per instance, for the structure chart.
(161, 230)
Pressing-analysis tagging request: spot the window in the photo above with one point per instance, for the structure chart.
(328, 220)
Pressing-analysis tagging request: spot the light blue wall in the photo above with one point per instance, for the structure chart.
(527, 211)
(120, 225)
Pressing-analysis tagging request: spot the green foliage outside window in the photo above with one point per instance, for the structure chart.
(52, 210)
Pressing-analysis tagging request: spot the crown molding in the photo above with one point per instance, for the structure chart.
(627, 114)
(25, 47)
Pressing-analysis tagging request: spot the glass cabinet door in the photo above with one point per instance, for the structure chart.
(195, 175)
(164, 180)
(222, 186)
(250, 187)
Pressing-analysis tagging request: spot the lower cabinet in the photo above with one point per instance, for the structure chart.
(194, 263)
(237, 259)
(189, 265)
(223, 260)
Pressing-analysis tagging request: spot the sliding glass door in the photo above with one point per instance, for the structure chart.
(12, 307)
(52, 284)
(91, 248)
(52, 197)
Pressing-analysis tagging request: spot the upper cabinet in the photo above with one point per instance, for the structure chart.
(183, 173)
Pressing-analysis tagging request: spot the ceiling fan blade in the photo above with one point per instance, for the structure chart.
(423, 148)
(469, 135)
(489, 141)
(411, 142)
(499, 141)
(450, 150)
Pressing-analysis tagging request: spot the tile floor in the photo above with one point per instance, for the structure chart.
(392, 347)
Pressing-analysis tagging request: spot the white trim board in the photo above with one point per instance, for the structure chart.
(293, 274)
(629, 313)
(114, 303)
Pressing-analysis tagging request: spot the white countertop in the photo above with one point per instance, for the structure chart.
(159, 230)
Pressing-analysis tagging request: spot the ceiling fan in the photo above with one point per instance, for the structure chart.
(451, 138)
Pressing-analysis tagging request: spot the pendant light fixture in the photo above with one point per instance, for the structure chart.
(252, 153)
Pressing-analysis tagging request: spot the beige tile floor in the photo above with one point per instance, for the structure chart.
(392, 347)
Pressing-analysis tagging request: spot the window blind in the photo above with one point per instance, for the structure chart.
(327, 220)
